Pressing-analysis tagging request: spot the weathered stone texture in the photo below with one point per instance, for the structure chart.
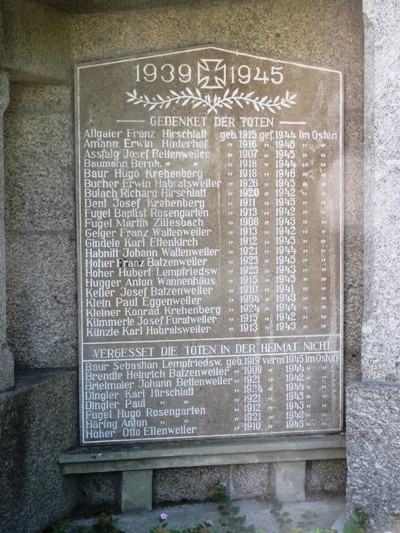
(373, 436)
(99, 489)
(6, 358)
(326, 476)
(353, 303)
(40, 165)
(187, 484)
(249, 481)
(135, 491)
(191, 484)
(36, 41)
(373, 448)
(354, 244)
(41, 301)
(37, 420)
(98, 6)
(134, 32)
(40, 224)
(381, 327)
(288, 481)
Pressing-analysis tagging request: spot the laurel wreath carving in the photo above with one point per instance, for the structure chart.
(214, 103)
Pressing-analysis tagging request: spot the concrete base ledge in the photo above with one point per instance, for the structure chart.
(203, 453)
(136, 463)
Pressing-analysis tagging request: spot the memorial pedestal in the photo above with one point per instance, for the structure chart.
(135, 490)
(288, 457)
(289, 481)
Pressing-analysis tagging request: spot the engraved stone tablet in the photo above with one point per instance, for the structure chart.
(210, 230)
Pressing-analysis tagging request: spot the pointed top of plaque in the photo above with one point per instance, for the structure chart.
(207, 49)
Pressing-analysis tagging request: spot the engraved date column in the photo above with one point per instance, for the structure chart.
(252, 401)
(286, 316)
(248, 227)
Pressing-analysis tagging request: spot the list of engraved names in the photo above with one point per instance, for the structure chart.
(209, 190)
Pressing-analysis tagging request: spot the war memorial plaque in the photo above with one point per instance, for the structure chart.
(210, 247)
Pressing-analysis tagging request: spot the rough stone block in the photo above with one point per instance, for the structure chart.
(187, 484)
(38, 41)
(327, 476)
(142, 31)
(41, 299)
(135, 492)
(250, 481)
(100, 489)
(289, 481)
(37, 420)
(373, 448)
(381, 339)
(7, 367)
(39, 159)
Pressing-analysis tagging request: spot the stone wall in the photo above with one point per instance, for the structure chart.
(39, 416)
(40, 222)
(373, 402)
(318, 33)
(38, 419)
(39, 47)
